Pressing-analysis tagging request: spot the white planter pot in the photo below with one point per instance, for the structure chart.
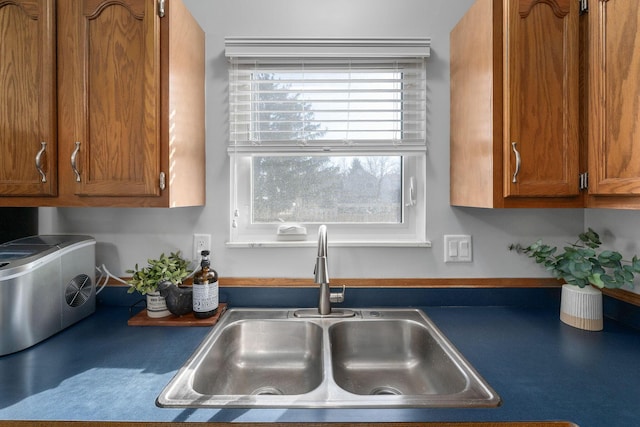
(157, 305)
(581, 307)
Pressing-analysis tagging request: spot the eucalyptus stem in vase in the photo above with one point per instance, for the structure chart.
(582, 263)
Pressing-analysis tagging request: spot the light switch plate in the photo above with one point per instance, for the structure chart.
(457, 248)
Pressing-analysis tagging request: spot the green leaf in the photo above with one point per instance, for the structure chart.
(614, 256)
(595, 279)
(593, 237)
(628, 275)
(611, 283)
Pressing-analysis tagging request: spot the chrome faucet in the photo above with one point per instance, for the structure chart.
(321, 277)
(321, 271)
(321, 274)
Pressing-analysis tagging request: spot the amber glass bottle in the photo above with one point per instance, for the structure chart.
(205, 289)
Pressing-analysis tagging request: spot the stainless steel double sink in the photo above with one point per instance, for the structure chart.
(268, 358)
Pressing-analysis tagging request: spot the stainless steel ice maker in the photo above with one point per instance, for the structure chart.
(47, 283)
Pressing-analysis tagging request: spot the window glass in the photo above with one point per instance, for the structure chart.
(327, 189)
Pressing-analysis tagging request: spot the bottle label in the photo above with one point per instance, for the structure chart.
(205, 297)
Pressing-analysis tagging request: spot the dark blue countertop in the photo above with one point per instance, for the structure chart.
(102, 369)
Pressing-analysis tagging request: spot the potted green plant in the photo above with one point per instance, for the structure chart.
(580, 265)
(145, 280)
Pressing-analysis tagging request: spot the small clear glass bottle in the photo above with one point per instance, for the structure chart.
(205, 289)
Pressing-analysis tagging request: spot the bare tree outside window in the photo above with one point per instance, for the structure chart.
(315, 188)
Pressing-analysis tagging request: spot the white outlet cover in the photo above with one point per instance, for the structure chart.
(201, 242)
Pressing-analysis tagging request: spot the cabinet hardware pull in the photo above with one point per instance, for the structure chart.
(74, 165)
(161, 8)
(518, 161)
(584, 181)
(584, 7)
(163, 183)
(39, 161)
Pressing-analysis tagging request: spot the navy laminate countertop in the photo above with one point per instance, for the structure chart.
(102, 369)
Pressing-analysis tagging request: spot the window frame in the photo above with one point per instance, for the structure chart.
(411, 232)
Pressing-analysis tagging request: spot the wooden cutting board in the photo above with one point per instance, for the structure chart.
(141, 319)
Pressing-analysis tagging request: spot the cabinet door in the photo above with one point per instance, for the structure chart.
(541, 146)
(109, 100)
(27, 96)
(614, 107)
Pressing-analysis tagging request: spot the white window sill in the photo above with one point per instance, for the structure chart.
(310, 243)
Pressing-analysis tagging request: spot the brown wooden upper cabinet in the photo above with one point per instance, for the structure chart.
(545, 104)
(28, 135)
(514, 105)
(105, 104)
(613, 113)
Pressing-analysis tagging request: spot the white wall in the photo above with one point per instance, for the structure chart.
(619, 230)
(127, 236)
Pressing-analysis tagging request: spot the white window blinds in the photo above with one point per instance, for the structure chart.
(312, 95)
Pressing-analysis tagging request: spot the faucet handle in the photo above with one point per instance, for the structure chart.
(338, 297)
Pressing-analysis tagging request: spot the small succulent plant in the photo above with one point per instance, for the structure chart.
(582, 264)
(145, 280)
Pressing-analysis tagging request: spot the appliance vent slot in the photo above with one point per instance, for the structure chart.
(78, 290)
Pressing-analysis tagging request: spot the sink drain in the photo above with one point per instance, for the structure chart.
(262, 391)
(385, 390)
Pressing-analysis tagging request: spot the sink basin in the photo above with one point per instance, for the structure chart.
(397, 357)
(262, 357)
(270, 358)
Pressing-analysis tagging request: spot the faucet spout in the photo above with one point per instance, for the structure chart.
(321, 271)
(322, 241)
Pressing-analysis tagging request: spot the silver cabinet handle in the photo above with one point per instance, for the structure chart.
(74, 165)
(163, 181)
(39, 161)
(518, 161)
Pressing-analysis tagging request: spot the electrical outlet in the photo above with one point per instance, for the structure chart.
(457, 248)
(201, 242)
